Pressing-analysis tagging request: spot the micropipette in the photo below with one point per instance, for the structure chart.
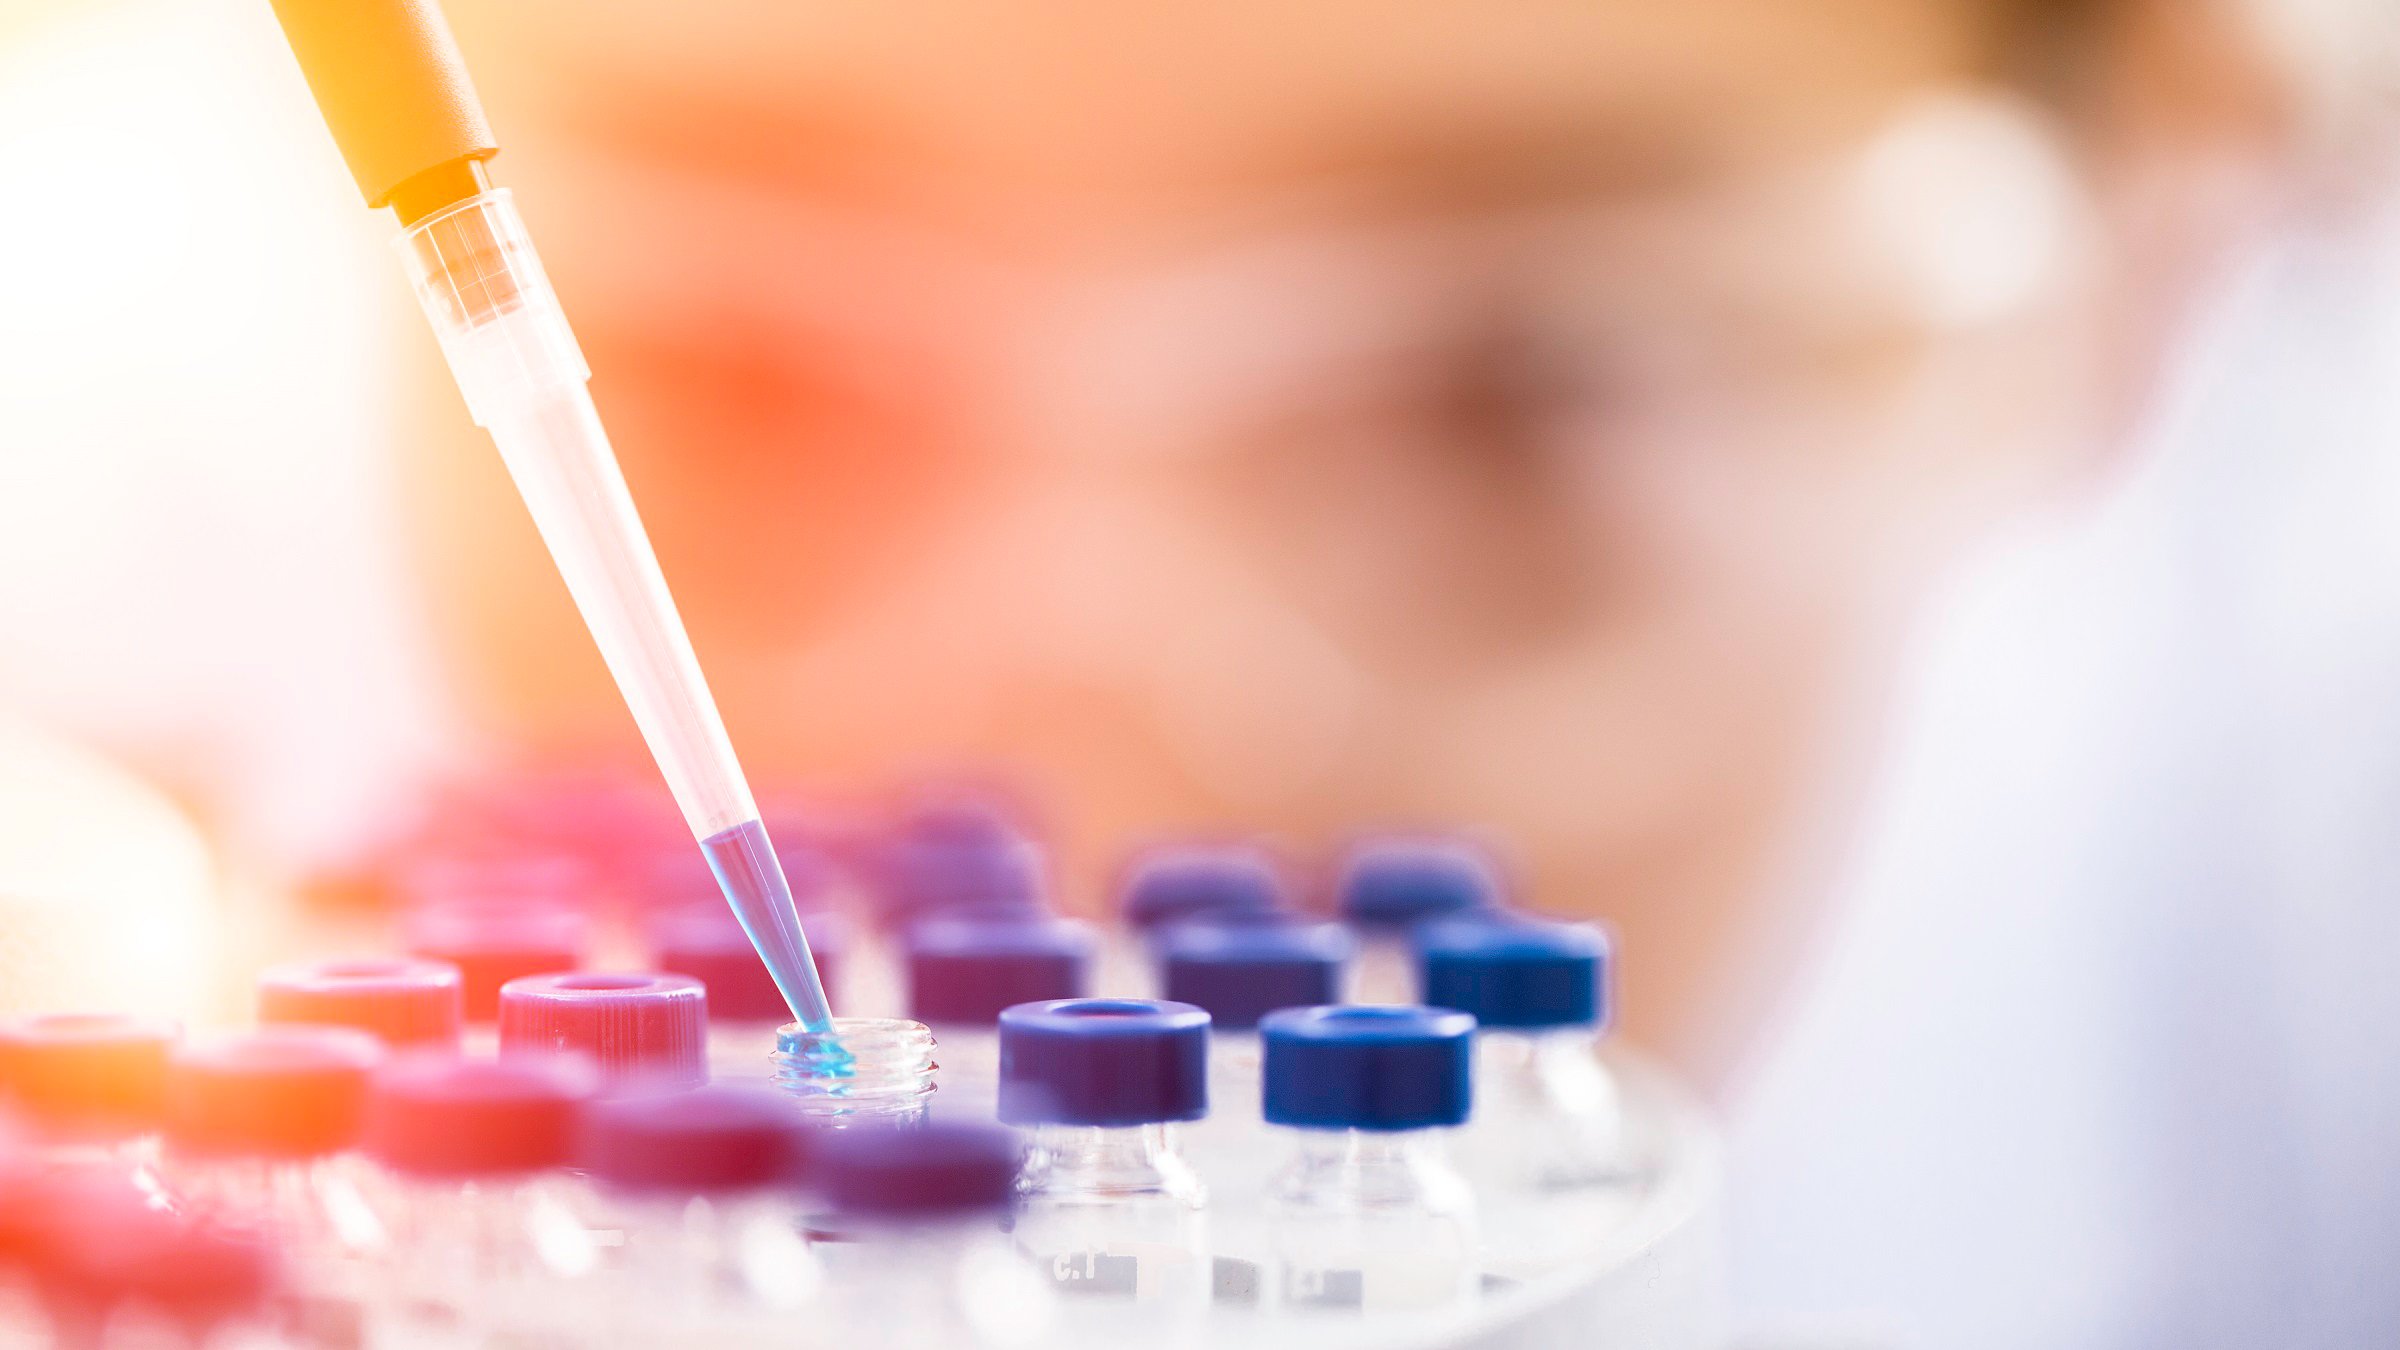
(389, 78)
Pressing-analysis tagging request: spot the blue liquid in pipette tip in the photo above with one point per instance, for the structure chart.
(753, 884)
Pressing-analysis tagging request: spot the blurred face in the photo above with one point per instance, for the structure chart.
(1294, 418)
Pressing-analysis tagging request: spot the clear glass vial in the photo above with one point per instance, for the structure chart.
(1369, 1216)
(701, 1190)
(1108, 1207)
(89, 1090)
(917, 1249)
(116, 1273)
(259, 1128)
(868, 1070)
(482, 1221)
(1549, 1119)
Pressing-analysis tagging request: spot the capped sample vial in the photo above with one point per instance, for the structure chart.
(1238, 972)
(482, 1223)
(257, 1126)
(1388, 886)
(495, 941)
(1549, 1118)
(1369, 1215)
(112, 1266)
(644, 1029)
(922, 1255)
(405, 1002)
(89, 1089)
(963, 970)
(1108, 1207)
(700, 1190)
(955, 855)
(1178, 883)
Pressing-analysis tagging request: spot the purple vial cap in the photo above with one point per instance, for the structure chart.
(957, 855)
(1111, 1062)
(707, 943)
(640, 1027)
(1181, 882)
(1241, 972)
(1402, 881)
(722, 1137)
(439, 1115)
(925, 1172)
(964, 971)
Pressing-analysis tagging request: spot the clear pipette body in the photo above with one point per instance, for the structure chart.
(525, 382)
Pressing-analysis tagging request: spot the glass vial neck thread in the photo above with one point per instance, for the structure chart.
(867, 1069)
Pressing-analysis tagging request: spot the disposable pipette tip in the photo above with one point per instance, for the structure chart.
(755, 887)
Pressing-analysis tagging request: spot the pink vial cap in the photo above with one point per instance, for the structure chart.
(650, 1027)
(87, 1074)
(439, 1115)
(493, 942)
(401, 1001)
(286, 1092)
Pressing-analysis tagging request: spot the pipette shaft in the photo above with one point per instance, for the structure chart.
(394, 91)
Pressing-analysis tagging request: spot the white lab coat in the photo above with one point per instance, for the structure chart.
(2104, 1049)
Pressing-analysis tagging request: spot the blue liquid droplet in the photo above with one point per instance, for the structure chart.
(762, 900)
(814, 1056)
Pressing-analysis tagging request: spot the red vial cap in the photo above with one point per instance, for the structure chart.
(88, 1075)
(278, 1092)
(401, 1001)
(492, 943)
(637, 1026)
(436, 1115)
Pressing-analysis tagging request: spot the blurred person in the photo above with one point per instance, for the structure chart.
(1294, 420)
(1545, 418)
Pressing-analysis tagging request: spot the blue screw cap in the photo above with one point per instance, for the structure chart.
(1241, 972)
(1368, 1067)
(1396, 883)
(1103, 1061)
(963, 970)
(1516, 973)
(1177, 883)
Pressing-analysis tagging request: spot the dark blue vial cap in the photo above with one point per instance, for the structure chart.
(1368, 1067)
(963, 971)
(916, 1172)
(1174, 884)
(1396, 883)
(1241, 972)
(1103, 1061)
(1517, 973)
